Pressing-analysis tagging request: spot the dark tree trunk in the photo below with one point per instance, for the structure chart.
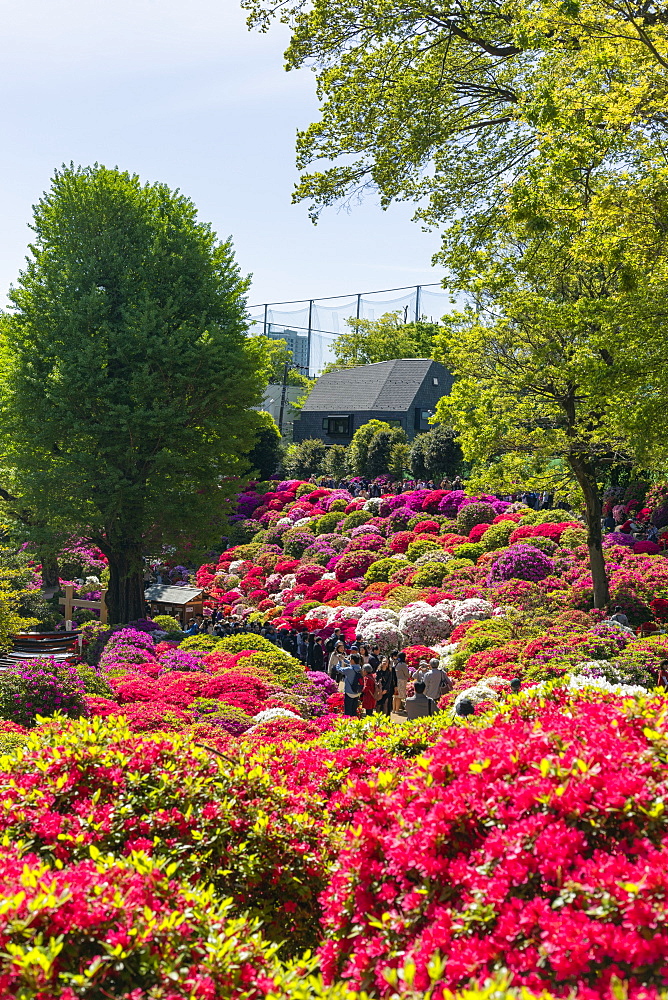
(125, 595)
(587, 482)
(50, 571)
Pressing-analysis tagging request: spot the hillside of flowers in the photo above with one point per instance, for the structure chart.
(195, 818)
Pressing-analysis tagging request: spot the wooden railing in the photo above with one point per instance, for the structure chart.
(69, 601)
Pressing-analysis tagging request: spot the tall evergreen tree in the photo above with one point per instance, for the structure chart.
(128, 372)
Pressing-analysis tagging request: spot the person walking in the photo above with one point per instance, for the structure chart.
(333, 641)
(318, 655)
(302, 646)
(403, 675)
(352, 685)
(386, 681)
(290, 642)
(436, 681)
(368, 690)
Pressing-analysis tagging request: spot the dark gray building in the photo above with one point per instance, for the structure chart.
(403, 392)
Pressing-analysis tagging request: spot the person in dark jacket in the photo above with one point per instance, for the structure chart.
(302, 646)
(333, 641)
(310, 646)
(290, 643)
(386, 682)
(318, 655)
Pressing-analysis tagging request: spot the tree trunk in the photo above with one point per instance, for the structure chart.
(587, 482)
(50, 571)
(125, 595)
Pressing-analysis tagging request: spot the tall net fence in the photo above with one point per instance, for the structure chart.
(311, 326)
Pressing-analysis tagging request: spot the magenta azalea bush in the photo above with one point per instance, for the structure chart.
(521, 562)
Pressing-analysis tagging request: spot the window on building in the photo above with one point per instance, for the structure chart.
(395, 423)
(422, 419)
(434, 381)
(337, 426)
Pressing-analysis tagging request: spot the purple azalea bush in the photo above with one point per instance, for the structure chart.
(520, 562)
(41, 687)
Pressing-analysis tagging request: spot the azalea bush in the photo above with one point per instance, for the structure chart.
(41, 687)
(61, 928)
(546, 881)
(230, 826)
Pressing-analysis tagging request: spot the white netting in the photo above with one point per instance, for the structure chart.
(311, 328)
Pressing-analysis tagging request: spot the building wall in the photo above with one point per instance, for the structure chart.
(297, 344)
(309, 422)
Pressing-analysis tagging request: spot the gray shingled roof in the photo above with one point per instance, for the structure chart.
(171, 595)
(387, 385)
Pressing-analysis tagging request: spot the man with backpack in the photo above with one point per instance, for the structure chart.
(352, 689)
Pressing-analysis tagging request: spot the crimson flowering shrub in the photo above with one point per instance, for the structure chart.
(400, 541)
(416, 653)
(214, 662)
(284, 730)
(536, 846)
(228, 825)
(154, 717)
(552, 531)
(157, 929)
(309, 574)
(354, 564)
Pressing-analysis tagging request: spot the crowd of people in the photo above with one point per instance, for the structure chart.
(372, 681)
(366, 488)
(635, 525)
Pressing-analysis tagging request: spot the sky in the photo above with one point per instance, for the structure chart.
(181, 92)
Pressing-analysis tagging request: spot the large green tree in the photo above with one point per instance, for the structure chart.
(560, 359)
(435, 454)
(370, 341)
(307, 458)
(449, 102)
(370, 451)
(128, 372)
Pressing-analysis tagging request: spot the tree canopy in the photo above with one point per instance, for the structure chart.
(435, 455)
(370, 341)
(371, 448)
(266, 456)
(561, 373)
(449, 104)
(128, 374)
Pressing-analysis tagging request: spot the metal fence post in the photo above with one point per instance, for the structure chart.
(308, 341)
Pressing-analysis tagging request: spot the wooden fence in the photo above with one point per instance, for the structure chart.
(70, 601)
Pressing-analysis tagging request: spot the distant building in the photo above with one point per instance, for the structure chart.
(403, 393)
(297, 345)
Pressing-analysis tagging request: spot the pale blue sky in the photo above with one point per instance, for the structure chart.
(183, 93)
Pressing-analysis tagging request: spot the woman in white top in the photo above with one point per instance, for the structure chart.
(337, 659)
